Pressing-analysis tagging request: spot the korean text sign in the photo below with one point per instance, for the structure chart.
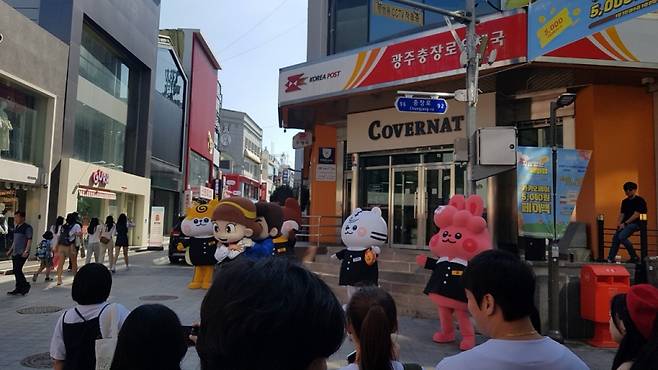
(571, 168)
(534, 177)
(555, 23)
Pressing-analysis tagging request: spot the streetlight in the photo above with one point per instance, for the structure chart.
(553, 252)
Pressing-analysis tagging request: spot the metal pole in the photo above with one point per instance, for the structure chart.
(600, 225)
(472, 94)
(554, 250)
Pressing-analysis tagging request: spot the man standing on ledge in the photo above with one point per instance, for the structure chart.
(628, 222)
(20, 251)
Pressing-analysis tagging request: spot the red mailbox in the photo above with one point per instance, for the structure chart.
(598, 284)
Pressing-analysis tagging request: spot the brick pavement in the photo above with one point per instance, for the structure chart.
(150, 274)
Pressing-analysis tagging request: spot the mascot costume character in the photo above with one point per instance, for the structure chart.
(270, 218)
(284, 245)
(234, 221)
(201, 251)
(362, 233)
(462, 235)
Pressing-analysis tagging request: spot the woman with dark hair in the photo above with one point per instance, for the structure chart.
(122, 241)
(94, 231)
(107, 243)
(66, 245)
(55, 229)
(634, 325)
(371, 321)
(73, 342)
(268, 314)
(151, 338)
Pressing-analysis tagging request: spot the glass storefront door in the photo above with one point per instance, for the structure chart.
(437, 193)
(406, 184)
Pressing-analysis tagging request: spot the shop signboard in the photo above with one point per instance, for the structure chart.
(302, 140)
(419, 57)
(421, 105)
(534, 177)
(96, 193)
(534, 173)
(325, 172)
(556, 23)
(157, 228)
(203, 192)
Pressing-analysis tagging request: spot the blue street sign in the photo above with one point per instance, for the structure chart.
(421, 105)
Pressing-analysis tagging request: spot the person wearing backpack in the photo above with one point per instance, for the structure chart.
(45, 255)
(371, 321)
(94, 231)
(73, 345)
(66, 245)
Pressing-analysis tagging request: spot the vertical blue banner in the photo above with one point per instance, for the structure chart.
(534, 177)
(571, 169)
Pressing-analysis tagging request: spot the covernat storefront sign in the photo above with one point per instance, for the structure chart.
(422, 56)
(388, 129)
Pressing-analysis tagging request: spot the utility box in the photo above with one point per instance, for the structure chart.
(496, 146)
(598, 284)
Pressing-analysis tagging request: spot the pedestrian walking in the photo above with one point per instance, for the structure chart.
(151, 338)
(122, 241)
(56, 230)
(66, 245)
(628, 222)
(19, 252)
(73, 343)
(107, 241)
(77, 244)
(371, 321)
(634, 325)
(45, 256)
(500, 290)
(269, 314)
(94, 231)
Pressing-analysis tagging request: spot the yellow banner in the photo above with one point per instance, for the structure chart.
(554, 27)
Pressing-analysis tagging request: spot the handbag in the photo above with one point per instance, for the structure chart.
(105, 346)
(104, 240)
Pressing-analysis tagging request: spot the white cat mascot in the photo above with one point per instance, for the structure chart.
(362, 233)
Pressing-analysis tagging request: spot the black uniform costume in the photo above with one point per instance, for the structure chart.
(446, 279)
(354, 269)
(202, 251)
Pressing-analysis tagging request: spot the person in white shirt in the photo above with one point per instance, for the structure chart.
(57, 228)
(107, 243)
(73, 342)
(66, 245)
(94, 231)
(500, 289)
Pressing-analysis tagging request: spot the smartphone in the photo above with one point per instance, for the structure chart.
(190, 330)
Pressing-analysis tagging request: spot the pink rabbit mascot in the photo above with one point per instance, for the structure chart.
(462, 235)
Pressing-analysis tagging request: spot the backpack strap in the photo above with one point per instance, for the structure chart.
(79, 314)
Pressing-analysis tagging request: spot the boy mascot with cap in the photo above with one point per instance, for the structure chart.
(235, 224)
(270, 218)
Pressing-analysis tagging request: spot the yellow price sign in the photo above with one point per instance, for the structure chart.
(554, 27)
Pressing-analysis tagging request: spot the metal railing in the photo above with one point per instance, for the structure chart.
(646, 238)
(318, 227)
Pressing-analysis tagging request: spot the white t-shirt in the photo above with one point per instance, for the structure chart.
(57, 348)
(498, 354)
(396, 366)
(96, 236)
(108, 234)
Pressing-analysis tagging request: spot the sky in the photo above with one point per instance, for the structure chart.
(251, 39)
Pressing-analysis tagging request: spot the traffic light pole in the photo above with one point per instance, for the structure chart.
(472, 67)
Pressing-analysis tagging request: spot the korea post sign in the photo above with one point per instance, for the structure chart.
(556, 23)
(534, 176)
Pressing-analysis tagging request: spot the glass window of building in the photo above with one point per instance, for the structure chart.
(168, 78)
(103, 92)
(349, 27)
(199, 170)
(22, 124)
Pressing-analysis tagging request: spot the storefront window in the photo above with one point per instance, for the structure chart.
(22, 125)
(199, 170)
(102, 113)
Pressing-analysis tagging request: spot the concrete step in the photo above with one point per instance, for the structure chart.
(416, 277)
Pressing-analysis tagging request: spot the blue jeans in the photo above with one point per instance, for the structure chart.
(621, 236)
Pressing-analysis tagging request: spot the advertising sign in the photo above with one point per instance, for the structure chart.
(534, 177)
(422, 56)
(571, 168)
(325, 172)
(157, 228)
(513, 4)
(302, 140)
(555, 23)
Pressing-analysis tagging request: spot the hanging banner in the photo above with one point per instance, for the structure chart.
(534, 177)
(157, 228)
(571, 168)
(556, 23)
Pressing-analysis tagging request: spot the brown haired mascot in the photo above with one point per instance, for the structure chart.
(292, 219)
(235, 223)
(270, 218)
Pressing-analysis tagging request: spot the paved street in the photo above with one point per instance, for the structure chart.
(150, 274)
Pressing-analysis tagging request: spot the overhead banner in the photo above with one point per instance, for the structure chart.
(571, 168)
(556, 23)
(534, 177)
(422, 56)
(535, 189)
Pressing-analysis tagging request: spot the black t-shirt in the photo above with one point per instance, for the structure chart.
(632, 205)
